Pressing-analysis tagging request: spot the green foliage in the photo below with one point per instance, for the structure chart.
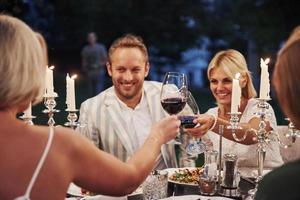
(264, 22)
(168, 27)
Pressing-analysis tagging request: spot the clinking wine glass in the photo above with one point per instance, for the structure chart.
(196, 146)
(174, 92)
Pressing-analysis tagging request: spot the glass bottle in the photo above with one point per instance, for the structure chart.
(208, 180)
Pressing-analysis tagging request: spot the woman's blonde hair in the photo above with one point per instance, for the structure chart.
(286, 76)
(22, 63)
(232, 62)
(43, 43)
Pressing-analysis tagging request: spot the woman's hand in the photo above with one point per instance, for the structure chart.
(166, 129)
(204, 123)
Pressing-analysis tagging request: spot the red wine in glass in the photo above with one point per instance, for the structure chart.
(173, 105)
(174, 93)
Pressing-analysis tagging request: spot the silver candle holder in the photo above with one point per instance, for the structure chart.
(234, 121)
(261, 134)
(72, 119)
(292, 133)
(234, 126)
(50, 103)
(264, 137)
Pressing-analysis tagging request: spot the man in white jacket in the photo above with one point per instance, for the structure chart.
(119, 119)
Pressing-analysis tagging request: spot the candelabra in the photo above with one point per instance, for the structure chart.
(72, 117)
(263, 137)
(50, 103)
(261, 134)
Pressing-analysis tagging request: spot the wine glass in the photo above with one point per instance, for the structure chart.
(196, 146)
(174, 93)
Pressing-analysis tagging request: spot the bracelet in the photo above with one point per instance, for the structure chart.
(215, 122)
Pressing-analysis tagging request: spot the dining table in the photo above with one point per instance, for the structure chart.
(193, 191)
(181, 191)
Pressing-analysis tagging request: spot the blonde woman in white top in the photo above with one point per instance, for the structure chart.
(221, 70)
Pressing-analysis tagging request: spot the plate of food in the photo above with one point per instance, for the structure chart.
(185, 176)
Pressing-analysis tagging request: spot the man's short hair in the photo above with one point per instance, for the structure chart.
(128, 41)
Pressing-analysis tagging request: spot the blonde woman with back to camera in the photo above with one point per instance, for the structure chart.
(221, 71)
(69, 157)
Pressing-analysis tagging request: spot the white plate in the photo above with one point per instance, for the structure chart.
(171, 171)
(74, 190)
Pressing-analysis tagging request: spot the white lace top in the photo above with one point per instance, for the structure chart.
(247, 154)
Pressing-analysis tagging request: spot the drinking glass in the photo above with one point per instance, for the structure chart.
(208, 180)
(156, 185)
(174, 94)
(196, 146)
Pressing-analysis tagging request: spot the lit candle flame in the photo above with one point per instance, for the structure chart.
(74, 76)
(52, 67)
(267, 61)
(237, 76)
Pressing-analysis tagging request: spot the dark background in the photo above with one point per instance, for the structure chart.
(170, 29)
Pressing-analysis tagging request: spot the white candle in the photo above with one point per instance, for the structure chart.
(49, 82)
(264, 92)
(235, 94)
(27, 112)
(70, 96)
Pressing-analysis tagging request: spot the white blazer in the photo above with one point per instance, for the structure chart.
(105, 126)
